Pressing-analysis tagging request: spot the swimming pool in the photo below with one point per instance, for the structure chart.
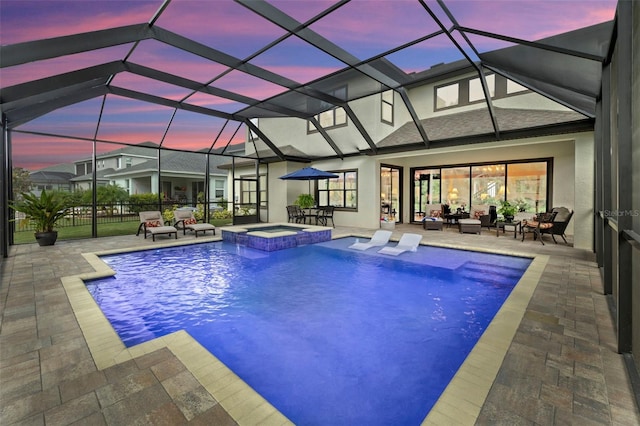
(319, 346)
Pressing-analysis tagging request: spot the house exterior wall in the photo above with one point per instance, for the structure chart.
(573, 178)
(573, 157)
(293, 131)
(572, 171)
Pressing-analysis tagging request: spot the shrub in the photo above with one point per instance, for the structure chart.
(222, 214)
(167, 214)
(143, 202)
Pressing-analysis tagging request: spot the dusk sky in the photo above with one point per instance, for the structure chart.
(364, 28)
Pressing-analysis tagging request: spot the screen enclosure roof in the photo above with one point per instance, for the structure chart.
(198, 75)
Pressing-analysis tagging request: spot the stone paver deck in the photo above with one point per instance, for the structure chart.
(558, 367)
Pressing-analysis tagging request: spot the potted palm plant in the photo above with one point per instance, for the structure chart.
(43, 212)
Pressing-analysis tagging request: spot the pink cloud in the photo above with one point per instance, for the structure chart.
(531, 20)
(46, 68)
(142, 84)
(33, 152)
(301, 73)
(35, 20)
(358, 26)
(247, 85)
(153, 54)
(227, 25)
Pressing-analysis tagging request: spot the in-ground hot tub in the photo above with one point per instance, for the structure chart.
(278, 236)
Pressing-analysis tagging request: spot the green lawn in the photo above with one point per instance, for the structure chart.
(104, 230)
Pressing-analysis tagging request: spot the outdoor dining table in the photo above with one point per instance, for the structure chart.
(311, 213)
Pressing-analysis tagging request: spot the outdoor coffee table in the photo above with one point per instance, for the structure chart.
(517, 227)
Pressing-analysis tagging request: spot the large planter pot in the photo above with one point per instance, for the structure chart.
(46, 238)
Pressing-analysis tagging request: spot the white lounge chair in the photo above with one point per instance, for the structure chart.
(379, 238)
(408, 242)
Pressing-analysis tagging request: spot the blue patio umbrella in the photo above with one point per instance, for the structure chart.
(309, 174)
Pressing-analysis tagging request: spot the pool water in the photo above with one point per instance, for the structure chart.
(327, 335)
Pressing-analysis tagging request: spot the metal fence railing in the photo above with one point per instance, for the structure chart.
(108, 213)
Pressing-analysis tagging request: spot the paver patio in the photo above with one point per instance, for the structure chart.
(560, 368)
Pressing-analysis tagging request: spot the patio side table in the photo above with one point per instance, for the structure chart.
(517, 227)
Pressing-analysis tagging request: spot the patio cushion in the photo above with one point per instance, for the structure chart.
(190, 221)
(435, 213)
(152, 223)
(534, 224)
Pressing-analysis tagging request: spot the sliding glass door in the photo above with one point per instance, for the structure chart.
(478, 186)
(426, 190)
(390, 190)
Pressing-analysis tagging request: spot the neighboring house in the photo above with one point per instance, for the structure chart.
(110, 162)
(135, 168)
(182, 177)
(544, 155)
(53, 178)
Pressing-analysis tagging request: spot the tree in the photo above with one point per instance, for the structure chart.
(21, 181)
(106, 197)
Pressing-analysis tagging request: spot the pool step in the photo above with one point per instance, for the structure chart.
(489, 273)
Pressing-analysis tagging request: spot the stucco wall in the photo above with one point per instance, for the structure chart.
(573, 178)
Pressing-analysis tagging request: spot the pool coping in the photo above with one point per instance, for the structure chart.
(460, 402)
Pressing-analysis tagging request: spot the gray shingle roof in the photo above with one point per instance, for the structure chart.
(478, 122)
(100, 174)
(47, 176)
(177, 161)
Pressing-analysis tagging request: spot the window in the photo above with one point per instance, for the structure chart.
(513, 87)
(455, 187)
(475, 88)
(83, 168)
(447, 96)
(119, 163)
(263, 191)
(218, 189)
(386, 107)
(527, 185)
(246, 195)
(469, 91)
(524, 183)
(487, 184)
(253, 136)
(390, 193)
(128, 161)
(426, 189)
(334, 117)
(341, 192)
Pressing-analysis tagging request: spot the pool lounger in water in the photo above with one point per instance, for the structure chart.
(379, 238)
(408, 242)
